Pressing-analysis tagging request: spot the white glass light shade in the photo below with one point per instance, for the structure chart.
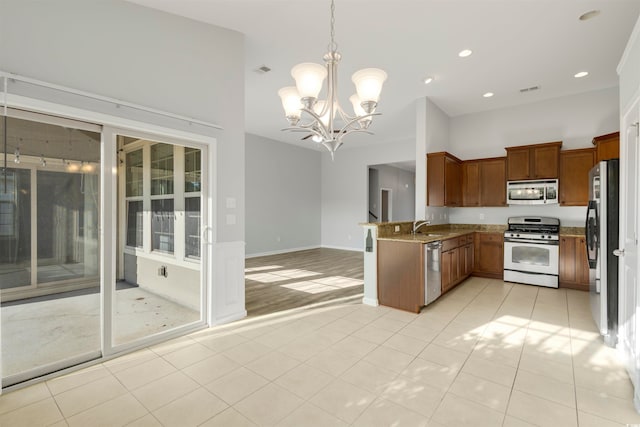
(318, 107)
(309, 78)
(290, 101)
(369, 83)
(357, 108)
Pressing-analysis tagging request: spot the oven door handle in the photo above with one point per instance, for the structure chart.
(535, 242)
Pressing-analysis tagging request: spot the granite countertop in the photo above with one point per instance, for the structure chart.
(434, 233)
(432, 236)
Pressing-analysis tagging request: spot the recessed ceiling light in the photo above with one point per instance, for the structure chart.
(581, 74)
(588, 15)
(427, 80)
(488, 95)
(464, 53)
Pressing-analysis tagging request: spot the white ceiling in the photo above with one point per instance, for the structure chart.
(516, 44)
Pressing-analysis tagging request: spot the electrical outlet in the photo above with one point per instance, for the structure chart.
(396, 229)
(348, 236)
(278, 239)
(482, 216)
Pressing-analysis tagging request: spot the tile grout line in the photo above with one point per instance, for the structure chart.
(468, 355)
(573, 367)
(513, 384)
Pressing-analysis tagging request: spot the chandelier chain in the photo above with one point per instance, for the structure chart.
(333, 46)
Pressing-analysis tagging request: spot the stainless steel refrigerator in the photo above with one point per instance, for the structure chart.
(601, 231)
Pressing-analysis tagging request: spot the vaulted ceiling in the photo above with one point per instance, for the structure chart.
(516, 44)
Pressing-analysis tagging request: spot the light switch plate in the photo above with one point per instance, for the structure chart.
(231, 202)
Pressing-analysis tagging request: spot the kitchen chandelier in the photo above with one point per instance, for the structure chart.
(329, 123)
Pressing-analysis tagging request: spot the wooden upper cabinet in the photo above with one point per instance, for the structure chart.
(493, 182)
(444, 180)
(471, 183)
(484, 182)
(539, 161)
(574, 176)
(452, 182)
(607, 146)
(518, 163)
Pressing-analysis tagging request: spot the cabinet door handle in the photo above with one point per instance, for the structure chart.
(618, 252)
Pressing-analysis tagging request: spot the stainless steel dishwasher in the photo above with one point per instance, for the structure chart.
(432, 276)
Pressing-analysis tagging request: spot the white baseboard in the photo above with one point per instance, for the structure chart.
(281, 251)
(370, 301)
(231, 318)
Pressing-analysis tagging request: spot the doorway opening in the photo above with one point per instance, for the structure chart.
(391, 192)
(386, 204)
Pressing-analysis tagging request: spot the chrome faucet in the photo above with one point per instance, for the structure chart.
(418, 224)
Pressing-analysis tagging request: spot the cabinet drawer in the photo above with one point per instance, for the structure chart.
(449, 244)
(466, 239)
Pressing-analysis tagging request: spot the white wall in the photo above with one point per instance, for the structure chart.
(403, 192)
(283, 196)
(345, 189)
(150, 58)
(629, 70)
(432, 135)
(140, 55)
(575, 120)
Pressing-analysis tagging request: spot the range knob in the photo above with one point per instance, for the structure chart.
(517, 235)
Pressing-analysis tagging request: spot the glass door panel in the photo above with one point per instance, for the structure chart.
(15, 228)
(68, 235)
(50, 246)
(159, 286)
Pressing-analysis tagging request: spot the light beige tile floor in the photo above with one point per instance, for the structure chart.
(488, 353)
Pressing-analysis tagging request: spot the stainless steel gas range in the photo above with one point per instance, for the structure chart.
(531, 251)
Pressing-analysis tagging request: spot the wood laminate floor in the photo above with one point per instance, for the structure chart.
(281, 282)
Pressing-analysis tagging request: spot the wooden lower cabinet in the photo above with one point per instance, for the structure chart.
(401, 275)
(457, 258)
(466, 263)
(574, 268)
(488, 255)
(450, 269)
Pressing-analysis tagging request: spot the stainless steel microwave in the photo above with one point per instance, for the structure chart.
(543, 192)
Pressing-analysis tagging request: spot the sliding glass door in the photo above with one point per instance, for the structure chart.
(159, 283)
(49, 244)
(76, 283)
